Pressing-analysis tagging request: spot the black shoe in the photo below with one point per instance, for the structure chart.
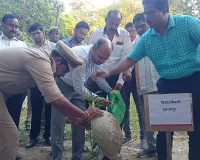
(126, 140)
(31, 143)
(18, 156)
(47, 142)
(145, 153)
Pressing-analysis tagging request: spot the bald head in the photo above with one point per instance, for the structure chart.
(101, 51)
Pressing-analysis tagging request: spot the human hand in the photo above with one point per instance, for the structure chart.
(84, 122)
(104, 101)
(93, 112)
(81, 122)
(118, 87)
(100, 74)
(127, 76)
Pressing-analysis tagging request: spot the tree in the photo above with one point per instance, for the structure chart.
(31, 11)
(187, 7)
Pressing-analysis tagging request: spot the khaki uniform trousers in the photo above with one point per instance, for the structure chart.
(9, 136)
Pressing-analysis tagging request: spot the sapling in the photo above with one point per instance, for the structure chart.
(106, 131)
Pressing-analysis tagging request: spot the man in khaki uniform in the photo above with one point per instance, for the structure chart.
(54, 34)
(22, 68)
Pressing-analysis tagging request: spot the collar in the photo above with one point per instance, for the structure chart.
(75, 41)
(6, 38)
(171, 24)
(117, 33)
(45, 43)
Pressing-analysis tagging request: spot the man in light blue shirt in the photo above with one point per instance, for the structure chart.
(172, 44)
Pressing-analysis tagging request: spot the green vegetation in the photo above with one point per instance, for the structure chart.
(45, 12)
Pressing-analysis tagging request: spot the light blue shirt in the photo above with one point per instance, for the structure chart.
(176, 54)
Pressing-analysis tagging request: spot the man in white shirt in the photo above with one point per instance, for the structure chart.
(72, 85)
(9, 25)
(120, 39)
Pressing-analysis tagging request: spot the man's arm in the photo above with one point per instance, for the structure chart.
(68, 109)
(103, 85)
(122, 66)
(79, 78)
(137, 54)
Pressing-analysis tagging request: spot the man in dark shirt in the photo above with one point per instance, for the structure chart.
(80, 32)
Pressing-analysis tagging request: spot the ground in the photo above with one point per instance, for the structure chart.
(128, 152)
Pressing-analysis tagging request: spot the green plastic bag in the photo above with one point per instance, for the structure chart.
(117, 107)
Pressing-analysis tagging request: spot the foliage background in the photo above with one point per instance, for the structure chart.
(44, 12)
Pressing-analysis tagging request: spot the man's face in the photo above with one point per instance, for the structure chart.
(38, 36)
(54, 36)
(61, 67)
(80, 34)
(10, 27)
(133, 33)
(141, 27)
(113, 22)
(101, 54)
(154, 16)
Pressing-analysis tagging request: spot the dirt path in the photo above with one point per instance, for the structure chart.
(128, 152)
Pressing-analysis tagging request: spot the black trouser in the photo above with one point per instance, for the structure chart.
(112, 81)
(189, 84)
(14, 105)
(37, 104)
(128, 88)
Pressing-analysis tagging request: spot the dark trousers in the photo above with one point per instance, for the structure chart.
(189, 84)
(128, 88)
(14, 105)
(112, 81)
(37, 104)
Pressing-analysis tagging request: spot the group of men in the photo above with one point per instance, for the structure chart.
(164, 46)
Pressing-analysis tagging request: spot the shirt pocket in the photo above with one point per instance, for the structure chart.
(117, 49)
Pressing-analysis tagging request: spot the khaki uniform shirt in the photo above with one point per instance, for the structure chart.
(21, 68)
(47, 46)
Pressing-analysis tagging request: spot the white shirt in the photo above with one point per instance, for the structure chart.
(121, 47)
(5, 42)
(80, 74)
(146, 76)
(134, 42)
